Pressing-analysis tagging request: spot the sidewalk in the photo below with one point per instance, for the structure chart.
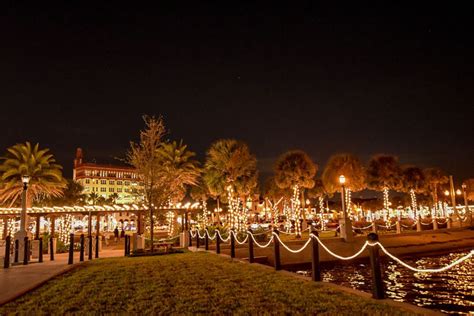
(19, 279)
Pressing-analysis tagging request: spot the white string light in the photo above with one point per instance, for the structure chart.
(220, 236)
(289, 249)
(452, 264)
(262, 246)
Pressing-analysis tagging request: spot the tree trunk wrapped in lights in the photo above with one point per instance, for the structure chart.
(65, 228)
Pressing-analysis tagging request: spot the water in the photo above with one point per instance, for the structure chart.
(451, 291)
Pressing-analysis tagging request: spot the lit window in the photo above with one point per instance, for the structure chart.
(127, 182)
(111, 189)
(119, 189)
(111, 182)
(103, 189)
(88, 181)
(103, 181)
(119, 182)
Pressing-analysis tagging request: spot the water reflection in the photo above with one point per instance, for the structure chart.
(451, 291)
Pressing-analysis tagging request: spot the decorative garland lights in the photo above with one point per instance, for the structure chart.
(311, 236)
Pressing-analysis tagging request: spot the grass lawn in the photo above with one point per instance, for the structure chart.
(187, 283)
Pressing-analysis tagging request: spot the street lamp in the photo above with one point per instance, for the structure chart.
(25, 179)
(346, 227)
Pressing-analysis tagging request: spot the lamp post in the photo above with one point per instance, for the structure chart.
(345, 225)
(22, 233)
(468, 211)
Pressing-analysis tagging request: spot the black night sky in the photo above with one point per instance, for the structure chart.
(342, 79)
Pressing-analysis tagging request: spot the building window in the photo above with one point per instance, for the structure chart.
(127, 190)
(111, 182)
(119, 182)
(103, 189)
(103, 181)
(88, 181)
(111, 189)
(119, 189)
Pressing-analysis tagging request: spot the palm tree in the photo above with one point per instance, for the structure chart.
(349, 166)
(93, 198)
(46, 178)
(275, 197)
(296, 171)
(434, 177)
(72, 195)
(384, 174)
(178, 166)
(413, 182)
(112, 199)
(230, 166)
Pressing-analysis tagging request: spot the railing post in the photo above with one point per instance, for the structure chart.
(197, 238)
(17, 245)
(418, 224)
(315, 265)
(398, 226)
(206, 239)
(190, 238)
(89, 255)
(377, 281)
(71, 249)
(97, 246)
(276, 250)
(81, 253)
(435, 224)
(232, 243)
(251, 256)
(218, 242)
(26, 251)
(6, 262)
(51, 249)
(40, 254)
(374, 226)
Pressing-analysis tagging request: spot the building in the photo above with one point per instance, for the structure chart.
(121, 182)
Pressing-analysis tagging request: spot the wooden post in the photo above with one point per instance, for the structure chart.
(232, 243)
(251, 256)
(6, 262)
(97, 246)
(377, 281)
(71, 249)
(218, 242)
(17, 244)
(418, 224)
(81, 254)
(276, 250)
(5, 228)
(435, 224)
(40, 254)
(374, 226)
(125, 246)
(190, 239)
(52, 227)
(206, 240)
(26, 251)
(197, 238)
(90, 247)
(315, 264)
(37, 232)
(398, 226)
(51, 248)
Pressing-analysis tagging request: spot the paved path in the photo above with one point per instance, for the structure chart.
(20, 279)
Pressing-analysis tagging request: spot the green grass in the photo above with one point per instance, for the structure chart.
(188, 283)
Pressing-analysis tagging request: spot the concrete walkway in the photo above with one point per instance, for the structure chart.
(20, 279)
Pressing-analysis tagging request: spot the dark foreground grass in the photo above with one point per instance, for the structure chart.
(189, 283)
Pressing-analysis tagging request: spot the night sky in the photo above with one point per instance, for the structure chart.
(386, 79)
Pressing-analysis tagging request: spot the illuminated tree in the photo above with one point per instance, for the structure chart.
(413, 183)
(296, 171)
(349, 166)
(72, 195)
(231, 168)
(46, 178)
(384, 174)
(434, 177)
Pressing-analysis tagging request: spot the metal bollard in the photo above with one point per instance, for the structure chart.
(206, 240)
(90, 247)
(190, 238)
(377, 281)
(251, 256)
(26, 251)
(6, 262)
(128, 243)
(81, 253)
(97, 246)
(276, 250)
(51, 249)
(71, 249)
(40, 254)
(17, 245)
(218, 243)
(232, 243)
(197, 239)
(315, 264)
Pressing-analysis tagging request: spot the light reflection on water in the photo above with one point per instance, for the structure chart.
(451, 291)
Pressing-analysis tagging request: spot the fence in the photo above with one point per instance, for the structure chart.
(372, 244)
